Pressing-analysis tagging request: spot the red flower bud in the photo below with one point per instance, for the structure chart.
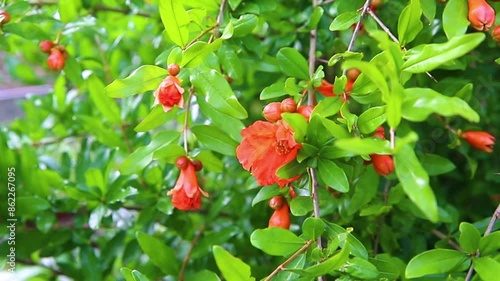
(197, 165)
(353, 73)
(4, 17)
(288, 105)
(326, 89)
(272, 112)
(305, 110)
(383, 164)
(481, 15)
(495, 34)
(182, 162)
(277, 202)
(46, 46)
(56, 60)
(479, 140)
(281, 218)
(379, 133)
(173, 69)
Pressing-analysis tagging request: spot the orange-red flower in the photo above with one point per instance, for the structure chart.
(479, 140)
(326, 89)
(481, 15)
(280, 217)
(265, 148)
(186, 194)
(169, 93)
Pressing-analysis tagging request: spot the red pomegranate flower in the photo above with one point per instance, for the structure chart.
(186, 194)
(326, 89)
(169, 93)
(265, 148)
(479, 140)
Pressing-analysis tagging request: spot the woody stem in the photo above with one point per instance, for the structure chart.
(185, 129)
(291, 258)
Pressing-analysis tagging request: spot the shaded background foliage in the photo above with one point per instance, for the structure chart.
(79, 217)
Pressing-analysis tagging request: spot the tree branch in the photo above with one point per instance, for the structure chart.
(291, 258)
(188, 255)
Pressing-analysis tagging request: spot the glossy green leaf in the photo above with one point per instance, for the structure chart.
(434, 262)
(415, 182)
(210, 162)
(436, 165)
(455, 20)
(394, 105)
(159, 253)
(169, 153)
(298, 124)
(371, 119)
(409, 24)
(336, 130)
(375, 210)
(364, 146)
(469, 237)
(385, 268)
(266, 192)
(26, 30)
(157, 117)
(176, 21)
(332, 175)
(273, 91)
(487, 268)
(292, 63)
(419, 103)
(143, 155)
(430, 56)
(30, 205)
(244, 25)
(291, 169)
(215, 139)
(145, 78)
(196, 53)
(331, 264)
(315, 17)
(205, 275)
(212, 86)
(301, 206)
(429, 9)
(360, 268)
(232, 268)
(312, 228)
(276, 241)
(327, 107)
(489, 243)
(127, 274)
(138, 276)
(230, 125)
(345, 21)
(68, 10)
(369, 71)
(102, 102)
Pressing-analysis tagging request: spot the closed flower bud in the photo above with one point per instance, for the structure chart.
(4, 17)
(479, 140)
(46, 46)
(353, 73)
(495, 34)
(198, 166)
(272, 112)
(182, 162)
(305, 110)
(173, 69)
(481, 15)
(277, 202)
(288, 105)
(281, 217)
(383, 164)
(56, 60)
(379, 133)
(326, 89)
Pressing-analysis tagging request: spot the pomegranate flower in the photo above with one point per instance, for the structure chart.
(479, 140)
(186, 194)
(481, 15)
(265, 148)
(383, 164)
(326, 89)
(169, 93)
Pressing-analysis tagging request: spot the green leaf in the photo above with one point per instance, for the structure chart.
(273, 91)
(291, 169)
(489, 243)
(409, 24)
(205, 275)
(143, 155)
(176, 21)
(159, 253)
(331, 264)
(487, 268)
(145, 78)
(332, 175)
(292, 63)
(233, 269)
(196, 53)
(276, 241)
(385, 268)
(244, 25)
(469, 237)
(27, 30)
(394, 105)
(315, 17)
(419, 103)
(327, 107)
(436, 165)
(430, 56)
(156, 117)
(360, 268)
(101, 101)
(434, 262)
(138, 276)
(210, 161)
(336, 130)
(375, 210)
(371, 119)
(312, 228)
(415, 182)
(298, 124)
(169, 153)
(215, 139)
(95, 178)
(232, 126)
(68, 10)
(301, 206)
(428, 9)
(266, 192)
(370, 71)
(216, 91)
(30, 205)
(127, 274)
(345, 20)
(455, 20)
(364, 146)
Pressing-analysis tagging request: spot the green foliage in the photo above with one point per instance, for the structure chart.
(87, 168)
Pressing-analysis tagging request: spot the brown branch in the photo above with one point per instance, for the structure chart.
(441, 119)
(188, 255)
(203, 33)
(441, 235)
(220, 17)
(291, 258)
(96, 8)
(494, 218)
(56, 140)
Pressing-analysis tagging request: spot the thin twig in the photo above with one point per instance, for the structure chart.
(96, 8)
(366, 7)
(220, 17)
(203, 33)
(291, 258)
(315, 198)
(392, 137)
(494, 218)
(185, 128)
(188, 255)
(56, 140)
(441, 119)
(441, 235)
(312, 59)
